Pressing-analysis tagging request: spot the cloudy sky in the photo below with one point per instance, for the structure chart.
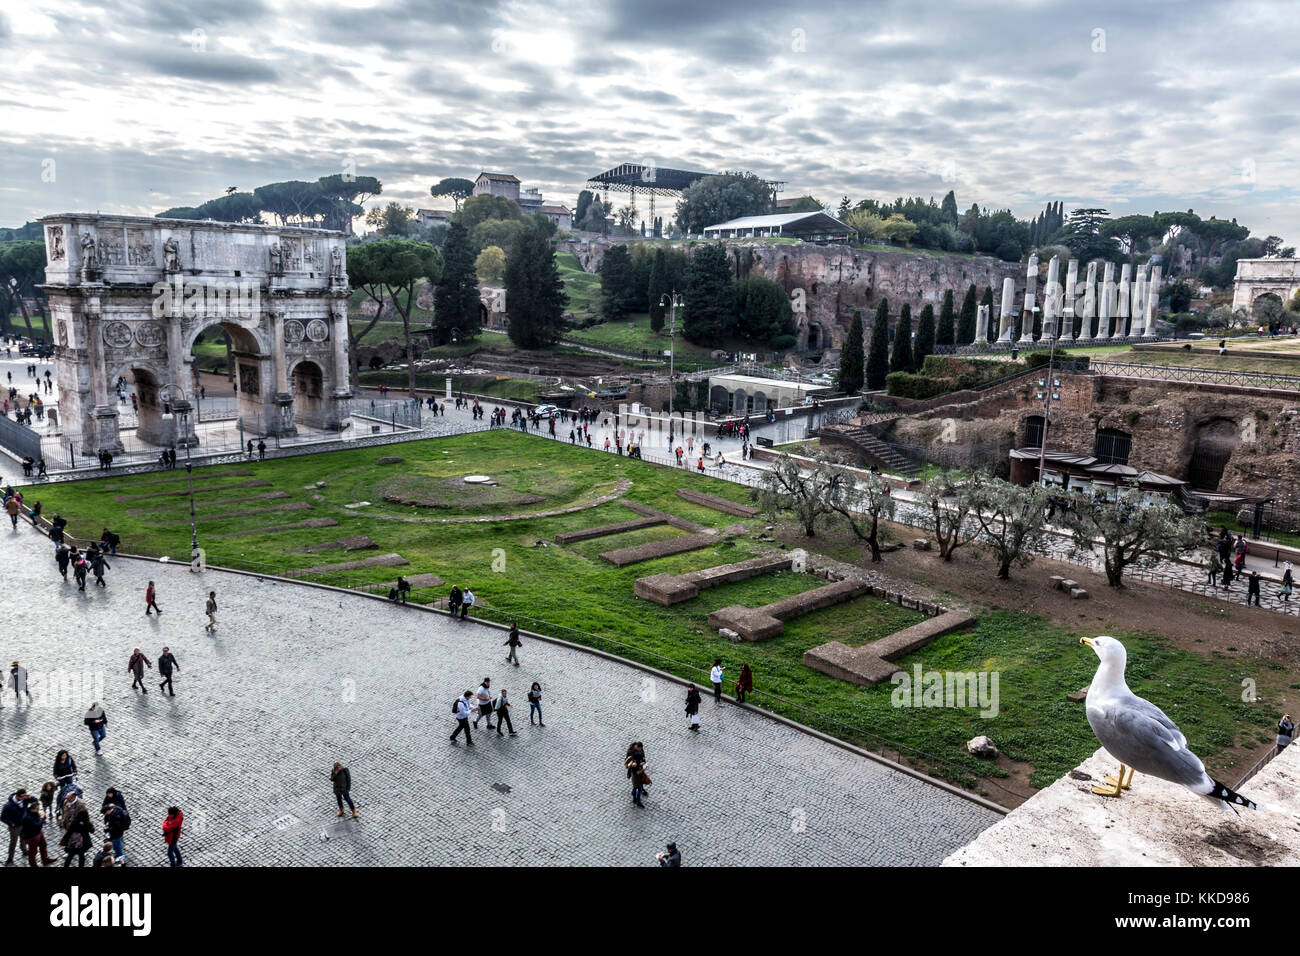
(138, 105)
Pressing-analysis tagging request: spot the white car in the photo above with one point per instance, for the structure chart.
(546, 411)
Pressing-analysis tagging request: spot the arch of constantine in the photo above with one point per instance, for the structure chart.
(1256, 277)
(130, 295)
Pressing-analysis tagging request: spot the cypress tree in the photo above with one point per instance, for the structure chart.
(852, 360)
(709, 305)
(900, 359)
(992, 330)
(946, 333)
(924, 336)
(656, 291)
(616, 277)
(455, 297)
(535, 296)
(966, 324)
(878, 356)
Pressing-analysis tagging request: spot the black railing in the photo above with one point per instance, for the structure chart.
(1198, 376)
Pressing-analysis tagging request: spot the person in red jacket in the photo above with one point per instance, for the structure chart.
(172, 833)
(149, 601)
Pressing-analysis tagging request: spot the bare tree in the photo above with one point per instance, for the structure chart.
(808, 496)
(948, 507)
(1011, 521)
(1132, 529)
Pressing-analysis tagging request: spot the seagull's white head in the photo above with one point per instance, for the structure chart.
(1108, 649)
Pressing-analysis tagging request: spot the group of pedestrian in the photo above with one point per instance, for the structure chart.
(460, 601)
(167, 460)
(261, 449)
(1228, 561)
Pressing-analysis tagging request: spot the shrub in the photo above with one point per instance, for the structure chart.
(909, 385)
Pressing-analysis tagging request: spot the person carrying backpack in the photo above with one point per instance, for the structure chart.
(461, 710)
(117, 820)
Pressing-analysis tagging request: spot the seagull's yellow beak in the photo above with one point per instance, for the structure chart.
(1087, 640)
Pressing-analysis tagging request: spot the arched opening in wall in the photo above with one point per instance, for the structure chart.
(814, 336)
(484, 316)
(719, 399)
(740, 401)
(1267, 308)
(759, 403)
(309, 393)
(1033, 432)
(1213, 447)
(227, 375)
(151, 403)
(1112, 446)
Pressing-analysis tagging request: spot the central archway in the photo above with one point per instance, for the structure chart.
(236, 355)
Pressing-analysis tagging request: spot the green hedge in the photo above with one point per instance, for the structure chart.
(908, 385)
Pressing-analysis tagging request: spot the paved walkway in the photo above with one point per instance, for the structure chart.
(295, 678)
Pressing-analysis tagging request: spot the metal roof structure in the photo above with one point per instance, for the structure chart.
(781, 224)
(653, 181)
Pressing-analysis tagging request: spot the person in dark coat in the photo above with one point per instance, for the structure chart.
(513, 642)
(670, 856)
(136, 666)
(744, 683)
(166, 664)
(62, 556)
(635, 764)
(76, 836)
(342, 780)
(1252, 589)
(693, 707)
(454, 600)
(32, 831)
(117, 820)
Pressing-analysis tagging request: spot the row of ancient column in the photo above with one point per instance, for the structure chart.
(1130, 298)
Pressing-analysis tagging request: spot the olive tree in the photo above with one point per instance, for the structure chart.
(863, 504)
(1129, 530)
(807, 494)
(1011, 521)
(947, 507)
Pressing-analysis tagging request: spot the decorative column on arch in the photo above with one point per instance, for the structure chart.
(1027, 313)
(101, 425)
(283, 397)
(339, 334)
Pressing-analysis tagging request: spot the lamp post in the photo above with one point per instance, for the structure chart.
(1047, 409)
(189, 480)
(672, 301)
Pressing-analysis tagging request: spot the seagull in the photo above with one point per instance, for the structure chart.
(1140, 735)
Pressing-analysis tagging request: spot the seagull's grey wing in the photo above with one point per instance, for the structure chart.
(1139, 735)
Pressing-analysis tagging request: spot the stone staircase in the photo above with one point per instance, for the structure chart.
(859, 434)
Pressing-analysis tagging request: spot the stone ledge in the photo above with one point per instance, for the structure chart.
(760, 623)
(659, 549)
(677, 522)
(604, 530)
(669, 589)
(1156, 823)
(873, 663)
(716, 503)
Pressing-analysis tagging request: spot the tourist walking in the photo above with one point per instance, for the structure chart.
(171, 828)
(1252, 589)
(12, 508)
(1214, 568)
(136, 666)
(715, 675)
(512, 642)
(693, 707)
(98, 564)
(11, 815)
(261, 450)
(117, 820)
(97, 723)
(341, 777)
(32, 831)
(462, 709)
(61, 558)
(1227, 575)
(485, 705)
(1288, 582)
(503, 715)
(166, 664)
(77, 830)
(453, 600)
(211, 608)
(535, 703)
(18, 683)
(635, 764)
(466, 602)
(1285, 732)
(744, 683)
(670, 856)
(149, 600)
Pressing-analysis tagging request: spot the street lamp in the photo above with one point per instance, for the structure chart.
(1047, 395)
(673, 302)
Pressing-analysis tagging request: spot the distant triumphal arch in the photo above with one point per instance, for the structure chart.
(1256, 277)
(130, 295)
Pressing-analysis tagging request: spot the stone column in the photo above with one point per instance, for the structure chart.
(339, 332)
(1027, 313)
(1122, 292)
(1089, 304)
(178, 391)
(1004, 311)
(1138, 303)
(1107, 298)
(283, 398)
(982, 324)
(1153, 303)
(100, 427)
(1067, 304)
(1052, 300)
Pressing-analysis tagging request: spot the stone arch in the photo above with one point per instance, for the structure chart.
(307, 385)
(719, 398)
(1033, 431)
(1212, 445)
(1112, 446)
(149, 384)
(760, 403)
(1267, 307)
(815, 337)
(253, 374)
(739, 401)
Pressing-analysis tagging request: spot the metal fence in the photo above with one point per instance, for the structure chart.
(1198, 376)
(20, 439)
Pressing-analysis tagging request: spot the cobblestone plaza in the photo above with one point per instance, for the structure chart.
(295, 678)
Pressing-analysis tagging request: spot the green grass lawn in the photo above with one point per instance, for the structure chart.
(516, 567)
(582, 288)
(634, 334)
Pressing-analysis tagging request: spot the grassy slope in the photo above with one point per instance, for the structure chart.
(1038, 663)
